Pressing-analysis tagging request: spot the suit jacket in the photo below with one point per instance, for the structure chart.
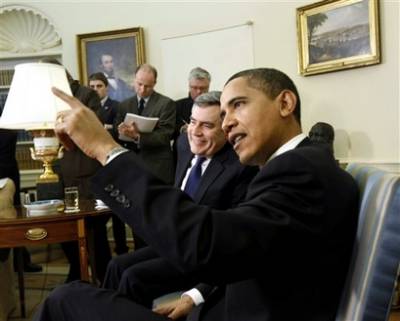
(108, 111)
(282, 254)
(183, 112)
(154, 147)
(75, 167)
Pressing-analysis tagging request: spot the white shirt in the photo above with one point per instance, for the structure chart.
(291, 144)
(111, 81)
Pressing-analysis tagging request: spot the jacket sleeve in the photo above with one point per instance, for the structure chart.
(162, 133)
(280, 219)
(205, 289)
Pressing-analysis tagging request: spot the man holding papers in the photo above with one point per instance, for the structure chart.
(152, 146)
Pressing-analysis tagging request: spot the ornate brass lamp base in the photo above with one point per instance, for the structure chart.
(46, 149)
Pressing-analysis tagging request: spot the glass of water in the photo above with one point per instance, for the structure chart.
(71, 198)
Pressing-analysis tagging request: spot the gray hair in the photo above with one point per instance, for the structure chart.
(199, 73)
(211, 98)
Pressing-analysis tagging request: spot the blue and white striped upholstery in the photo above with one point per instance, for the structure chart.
(371, 279)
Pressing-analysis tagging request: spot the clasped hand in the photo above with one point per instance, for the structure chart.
(176, 309)
(129, 130)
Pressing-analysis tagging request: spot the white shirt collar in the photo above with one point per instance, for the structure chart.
(103, 101)
(291, 144)
(146, 99)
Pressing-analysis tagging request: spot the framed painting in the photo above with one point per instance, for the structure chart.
(338, 34)
(116, 54)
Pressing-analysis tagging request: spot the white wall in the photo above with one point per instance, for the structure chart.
(362, 104)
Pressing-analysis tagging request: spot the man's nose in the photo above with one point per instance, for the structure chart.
(196, 130)
(227, 123)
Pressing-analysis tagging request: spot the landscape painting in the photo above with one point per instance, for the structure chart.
(337, 35)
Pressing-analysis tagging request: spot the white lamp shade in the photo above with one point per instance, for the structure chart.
(30, 102)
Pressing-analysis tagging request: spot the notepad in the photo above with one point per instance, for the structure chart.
(144, 124)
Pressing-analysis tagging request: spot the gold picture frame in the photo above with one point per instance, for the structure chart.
(338, 34)
(116, 52)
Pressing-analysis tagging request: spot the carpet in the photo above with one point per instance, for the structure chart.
(37, 288)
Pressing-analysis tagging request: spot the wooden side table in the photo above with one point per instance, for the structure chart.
(47, 229)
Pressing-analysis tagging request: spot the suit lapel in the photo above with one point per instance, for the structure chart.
(134, 106)
(181, 168)
(149, 106)
(214, 169)
(212, 172)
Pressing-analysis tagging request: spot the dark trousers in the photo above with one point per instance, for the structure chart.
(143, 276)
(119, 233)
(97, 244)
(84, 302)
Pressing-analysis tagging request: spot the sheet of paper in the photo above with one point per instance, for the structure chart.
(144, 124)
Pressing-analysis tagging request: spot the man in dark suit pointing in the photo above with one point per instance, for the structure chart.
(282, 254)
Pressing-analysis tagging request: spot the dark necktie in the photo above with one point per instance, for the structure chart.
(194, 178)
(141, 106)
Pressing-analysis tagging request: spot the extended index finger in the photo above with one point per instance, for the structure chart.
(70, 100)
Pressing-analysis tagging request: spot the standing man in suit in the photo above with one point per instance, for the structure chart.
(109, 108)
(153, 148)
(99, 83)
(223, 185)
(118, 89)
(282, 254)
(76, 169)
(199, 83)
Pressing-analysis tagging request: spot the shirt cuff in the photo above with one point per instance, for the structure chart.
(115, 153)
(195, 295)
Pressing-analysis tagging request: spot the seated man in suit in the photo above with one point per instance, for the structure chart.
(143, 275)
(282, 254)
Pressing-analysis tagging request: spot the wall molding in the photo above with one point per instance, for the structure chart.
(26, 31)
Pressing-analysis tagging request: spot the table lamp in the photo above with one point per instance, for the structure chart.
(32, 106)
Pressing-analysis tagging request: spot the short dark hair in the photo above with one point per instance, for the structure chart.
(147, 67)
(99, 76)
(271, 82)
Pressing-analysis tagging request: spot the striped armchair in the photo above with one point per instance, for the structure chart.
(370, 285)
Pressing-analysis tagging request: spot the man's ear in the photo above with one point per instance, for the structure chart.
(287, 103)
